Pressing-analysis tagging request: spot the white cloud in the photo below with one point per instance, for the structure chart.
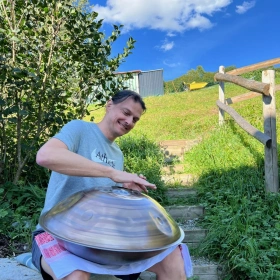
(241, 9)
(166, 15)
(170, 34)
(174, 64)
(167, 46)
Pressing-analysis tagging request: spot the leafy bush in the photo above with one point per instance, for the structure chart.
(54, 60)
(20, 207)
(142, 156)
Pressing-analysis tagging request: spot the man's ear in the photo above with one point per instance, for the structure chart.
(109, 104)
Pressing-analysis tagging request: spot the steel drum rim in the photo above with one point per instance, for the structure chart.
(119, 250)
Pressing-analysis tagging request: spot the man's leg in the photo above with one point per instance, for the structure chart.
(171, 267)
(75, 275)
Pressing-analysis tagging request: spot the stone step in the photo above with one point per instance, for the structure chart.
(193, 237)
(186, 144)
(180, 192)
(176, 148)
(167, 143)
(179, 179)
(173, 151)
(185, 213)
(172, 169)
(186, 216)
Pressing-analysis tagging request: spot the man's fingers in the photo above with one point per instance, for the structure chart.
(144, 188)
(142, 176)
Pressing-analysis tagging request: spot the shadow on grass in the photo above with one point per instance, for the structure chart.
(243, 222)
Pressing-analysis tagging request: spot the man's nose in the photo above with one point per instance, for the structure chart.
(130, 120)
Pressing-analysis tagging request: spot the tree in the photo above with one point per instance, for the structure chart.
(52, 58)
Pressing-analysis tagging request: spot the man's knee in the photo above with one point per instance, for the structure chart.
(173, 264)
(75, 275)
(78, 275)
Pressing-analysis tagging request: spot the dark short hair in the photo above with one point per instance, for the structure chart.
(122, 95)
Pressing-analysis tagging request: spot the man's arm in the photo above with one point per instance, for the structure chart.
(55, 156)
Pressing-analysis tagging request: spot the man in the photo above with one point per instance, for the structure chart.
(83, 155)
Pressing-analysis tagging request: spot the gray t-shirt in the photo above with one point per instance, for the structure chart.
(87, 140)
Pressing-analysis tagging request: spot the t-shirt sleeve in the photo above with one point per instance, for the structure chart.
(70, 134)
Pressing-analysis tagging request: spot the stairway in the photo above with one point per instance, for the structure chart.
(185, 215)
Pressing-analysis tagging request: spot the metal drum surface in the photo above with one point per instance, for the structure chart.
(112, 225)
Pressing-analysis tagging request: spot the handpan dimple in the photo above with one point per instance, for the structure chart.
(87, 215)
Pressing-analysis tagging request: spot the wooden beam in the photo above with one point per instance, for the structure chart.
(242, 97)
(221, 96)
(246, 96)
(249, 84)
(262, 137)
(271, 154)
(253, 67)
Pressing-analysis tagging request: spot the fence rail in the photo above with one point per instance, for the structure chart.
(257, 66)
(249, 84)
(267, 89)
(262, 137)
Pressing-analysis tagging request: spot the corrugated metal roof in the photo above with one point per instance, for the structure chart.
(132, 71)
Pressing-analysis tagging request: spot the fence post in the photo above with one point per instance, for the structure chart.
(221, 97)
(269, 114)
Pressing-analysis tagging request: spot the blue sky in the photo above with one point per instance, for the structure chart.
(179, 35)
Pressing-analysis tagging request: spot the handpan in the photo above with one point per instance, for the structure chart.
(112, 225)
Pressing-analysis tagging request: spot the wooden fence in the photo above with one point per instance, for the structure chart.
(267, 89)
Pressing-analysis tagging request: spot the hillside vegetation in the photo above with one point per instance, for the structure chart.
(194, 75)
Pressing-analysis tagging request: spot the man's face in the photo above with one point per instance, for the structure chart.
(123, 116)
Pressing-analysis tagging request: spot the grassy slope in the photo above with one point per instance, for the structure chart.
(185, 115)
(190, 115)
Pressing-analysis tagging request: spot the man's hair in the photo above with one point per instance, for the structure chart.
(124, 94)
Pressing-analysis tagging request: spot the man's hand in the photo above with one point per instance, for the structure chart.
(133, 181)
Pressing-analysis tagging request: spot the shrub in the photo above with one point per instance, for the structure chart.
(142, 156)
(20, 207)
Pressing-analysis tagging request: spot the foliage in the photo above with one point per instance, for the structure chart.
(256, 74)
(241, 218)
(229, 68)
(243, 223)
(53, 59)
(142, 156)
(20, 207)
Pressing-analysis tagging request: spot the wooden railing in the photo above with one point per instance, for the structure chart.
(267, 89)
